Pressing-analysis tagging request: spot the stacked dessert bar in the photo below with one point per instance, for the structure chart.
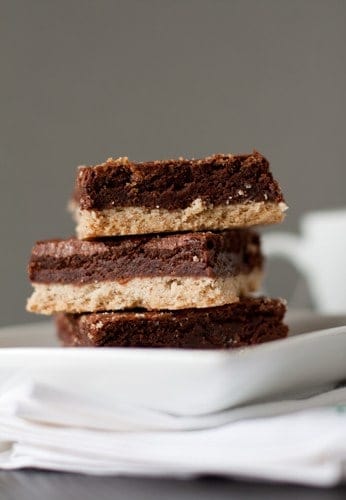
(164, 256)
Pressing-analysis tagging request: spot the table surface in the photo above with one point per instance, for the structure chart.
(41, 485)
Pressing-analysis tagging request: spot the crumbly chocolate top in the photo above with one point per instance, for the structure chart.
(187, 254)
(249, 321)
(175, 184)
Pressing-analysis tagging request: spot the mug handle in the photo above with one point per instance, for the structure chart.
(289, 246)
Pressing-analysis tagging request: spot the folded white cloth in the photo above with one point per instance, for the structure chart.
(301, 440)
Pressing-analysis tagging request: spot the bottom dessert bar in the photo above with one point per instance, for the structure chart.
(247, 322)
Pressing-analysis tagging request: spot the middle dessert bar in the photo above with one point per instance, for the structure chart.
(173, 271)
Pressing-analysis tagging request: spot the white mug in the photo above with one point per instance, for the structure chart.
(319, 254)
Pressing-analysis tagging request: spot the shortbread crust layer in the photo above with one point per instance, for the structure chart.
(146, 292)
(196, 217)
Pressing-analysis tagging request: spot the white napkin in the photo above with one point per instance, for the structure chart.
(302, 440)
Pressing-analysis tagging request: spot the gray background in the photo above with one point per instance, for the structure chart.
(85, 80)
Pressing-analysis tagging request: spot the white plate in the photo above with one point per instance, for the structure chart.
(182, 382)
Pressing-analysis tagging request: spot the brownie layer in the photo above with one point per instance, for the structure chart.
(164, 292)
(197, 217)
(250, 321)
(77, 262)
(176, 184)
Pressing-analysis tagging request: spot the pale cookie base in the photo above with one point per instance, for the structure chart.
(149, 293)
(196, 217)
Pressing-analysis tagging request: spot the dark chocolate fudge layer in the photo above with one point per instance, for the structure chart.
(176, 184)
(192, 254)
(247, 322)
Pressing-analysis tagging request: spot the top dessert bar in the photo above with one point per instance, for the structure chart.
(120, 197)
